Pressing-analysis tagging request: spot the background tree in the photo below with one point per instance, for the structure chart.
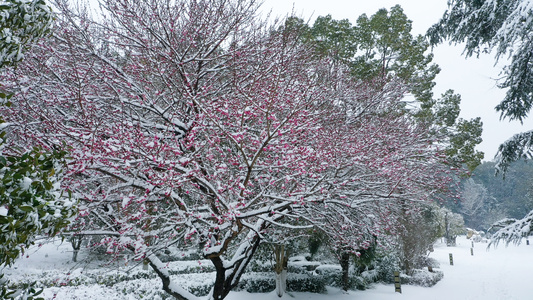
(381, 46)
(474, 198)
(506, 198)
(505, 28)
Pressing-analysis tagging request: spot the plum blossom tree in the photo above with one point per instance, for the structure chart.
(192, 123)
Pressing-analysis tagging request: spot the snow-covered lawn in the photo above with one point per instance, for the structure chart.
(496, 274)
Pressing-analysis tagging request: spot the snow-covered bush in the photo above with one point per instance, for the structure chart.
(331, 274)
(386, 265)
(26, 291)
(31, 200)
(422, 277)
(21, 23)
(305, 283)
(257, 282)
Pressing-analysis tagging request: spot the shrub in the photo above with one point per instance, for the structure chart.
(257, 282)
(386, 266)
(305, 283)
(422, 278)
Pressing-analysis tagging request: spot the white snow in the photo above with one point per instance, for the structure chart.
(26, 183)
(3, 211)
(497, 274)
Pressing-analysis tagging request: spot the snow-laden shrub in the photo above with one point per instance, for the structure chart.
(305, 283)
(370, 276)
(264, 282)
(257, 282)
(386, 266)
(331, 274)
(422, 278)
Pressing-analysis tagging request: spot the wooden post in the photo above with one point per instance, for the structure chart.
(451, 259)
(397, 283)
(145, 264)
(472, 244)
(472, 251)
(527, 242)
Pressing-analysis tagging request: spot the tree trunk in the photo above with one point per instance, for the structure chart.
(281, 283)
(281, 257)
(345, 265)
(172, 289)
(76, 245)
(228, 277)
(447, 230)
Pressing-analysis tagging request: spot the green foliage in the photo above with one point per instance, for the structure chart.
(334, 38)
(460, 136)
(386, 46)
(30, 200)
(377, 47)
(386, 264)
(506, 27)
(463, 141)
(21, 23)
(380, 47)
(366, 258)
(516, 148)
(26, 291)
(315, 241)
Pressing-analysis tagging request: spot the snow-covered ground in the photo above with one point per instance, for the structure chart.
(496, 274)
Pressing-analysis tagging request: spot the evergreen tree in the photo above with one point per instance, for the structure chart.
(503, 27)
(21, 23)
(381, 47)
(31, 200)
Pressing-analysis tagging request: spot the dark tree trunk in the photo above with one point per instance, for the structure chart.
(345, 265)
(228, 277)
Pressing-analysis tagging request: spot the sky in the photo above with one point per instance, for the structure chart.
(473, 78)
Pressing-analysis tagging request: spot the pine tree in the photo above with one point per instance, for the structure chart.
(504, 28)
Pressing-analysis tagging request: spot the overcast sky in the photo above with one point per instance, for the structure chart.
(473, 78)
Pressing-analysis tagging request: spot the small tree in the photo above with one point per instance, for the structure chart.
(474, 198)
(422, 226)
(453, 226)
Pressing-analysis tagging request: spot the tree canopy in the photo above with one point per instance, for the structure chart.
(381, 46)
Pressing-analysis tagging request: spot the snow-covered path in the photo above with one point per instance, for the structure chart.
(501, 273)
(504, 273)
